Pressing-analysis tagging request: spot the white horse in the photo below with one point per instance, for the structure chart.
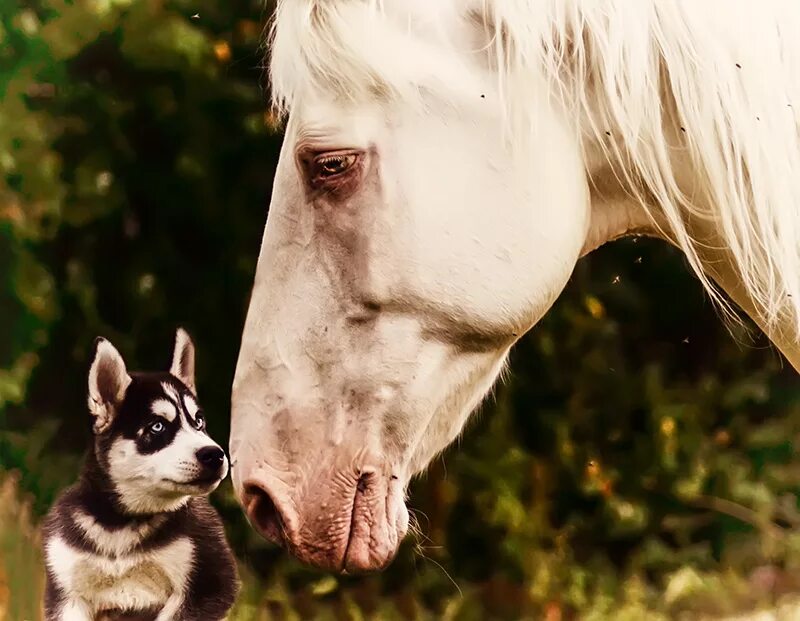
(445, 165)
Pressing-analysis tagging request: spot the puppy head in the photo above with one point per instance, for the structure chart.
(150, 431)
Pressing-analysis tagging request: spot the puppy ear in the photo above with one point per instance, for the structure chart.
(183, 359)
(108, 381)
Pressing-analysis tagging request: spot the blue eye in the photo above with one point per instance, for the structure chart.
(199, 421)
(156, 428)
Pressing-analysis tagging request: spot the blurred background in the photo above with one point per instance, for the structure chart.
(638, 463)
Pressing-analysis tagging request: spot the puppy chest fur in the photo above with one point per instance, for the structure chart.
(127, 582)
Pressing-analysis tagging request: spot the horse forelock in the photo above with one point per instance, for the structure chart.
(355, 51)
(657, 85)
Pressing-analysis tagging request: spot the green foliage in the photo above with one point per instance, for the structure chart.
(636, 464)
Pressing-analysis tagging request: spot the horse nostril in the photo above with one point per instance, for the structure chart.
(210, 456)
(263, 513)
(364, 482)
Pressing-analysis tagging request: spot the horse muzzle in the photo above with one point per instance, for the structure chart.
(349, 520)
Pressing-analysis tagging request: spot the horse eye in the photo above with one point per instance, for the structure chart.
(327, 166)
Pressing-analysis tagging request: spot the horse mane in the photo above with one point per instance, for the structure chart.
(720, 76)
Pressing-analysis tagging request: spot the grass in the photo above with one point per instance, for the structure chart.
(21, 570)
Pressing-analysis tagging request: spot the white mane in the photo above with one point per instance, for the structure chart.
(640, 77)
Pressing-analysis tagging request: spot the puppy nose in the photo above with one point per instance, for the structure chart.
(210, 456)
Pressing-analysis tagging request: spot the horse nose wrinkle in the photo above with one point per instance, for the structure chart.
(360, 319)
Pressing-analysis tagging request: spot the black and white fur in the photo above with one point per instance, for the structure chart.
(137, 533)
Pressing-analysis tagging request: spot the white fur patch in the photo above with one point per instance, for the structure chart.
(170, 608)
(75, 610)
(138, 580)
(191, 406)
(164, 408)
(115, 542)
(170, 391)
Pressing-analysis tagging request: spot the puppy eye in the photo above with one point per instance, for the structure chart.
(200, 421)
(156, 427)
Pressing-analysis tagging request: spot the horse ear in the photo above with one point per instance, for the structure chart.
(183, 359)
(108, 381)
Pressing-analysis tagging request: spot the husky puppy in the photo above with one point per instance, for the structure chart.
(136, 536)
